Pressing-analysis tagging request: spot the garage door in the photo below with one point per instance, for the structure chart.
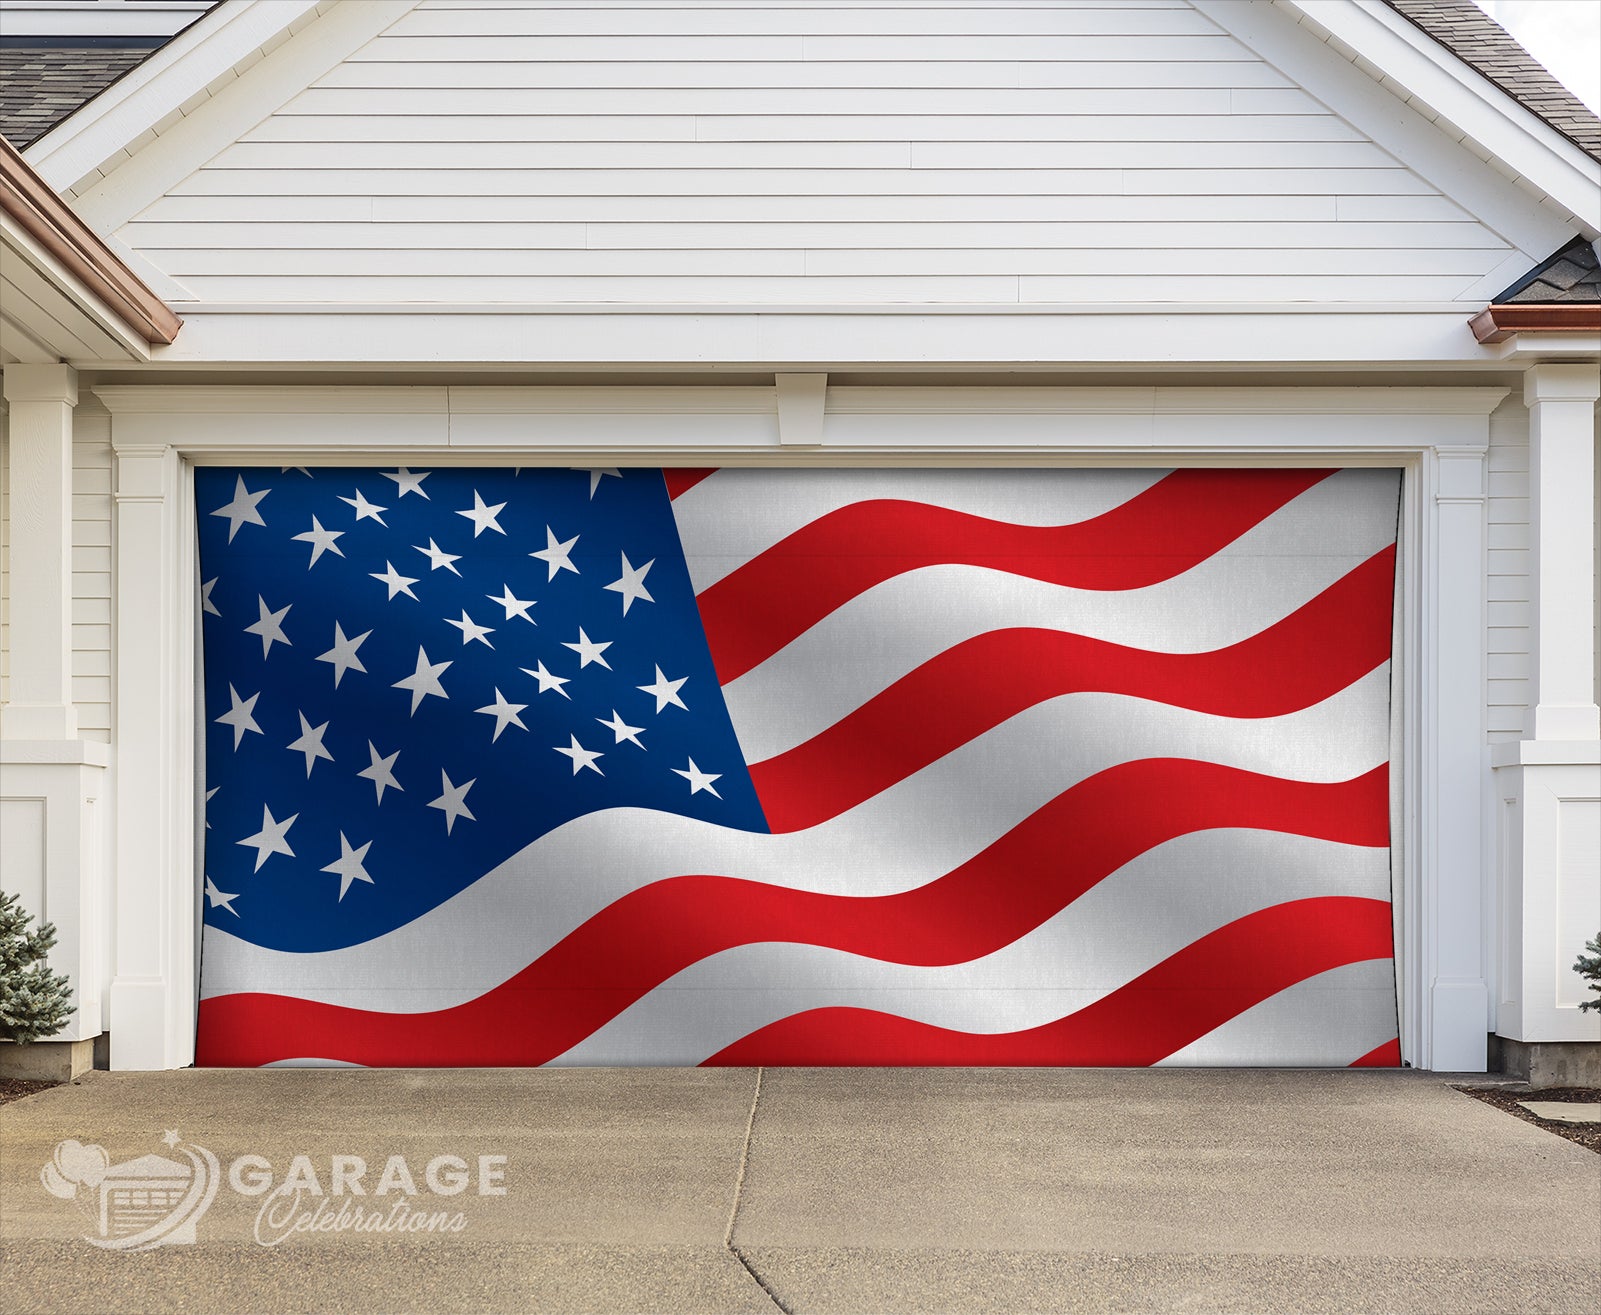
(1043, 767)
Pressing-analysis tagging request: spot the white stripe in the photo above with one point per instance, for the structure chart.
(919, 829)
(893, 628)
(734, 515)
(1331, 1019)
(1144, 914)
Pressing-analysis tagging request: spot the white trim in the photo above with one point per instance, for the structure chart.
(158, 432)
(180, 70)
(1432, 76)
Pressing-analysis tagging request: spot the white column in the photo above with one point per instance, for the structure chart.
(1453, 744)
(1561, 401)
(155, 907)
(41, 399)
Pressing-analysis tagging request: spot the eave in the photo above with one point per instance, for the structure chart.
(67, 295)
(1497, 323)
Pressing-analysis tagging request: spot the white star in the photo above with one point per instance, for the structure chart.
(211, 792)
(240, 716)
(589, 651)
(621, 729)
(398, 583)
(219, 899)
(171, 1138)
(407, 482)
(555, 555)
(343, 654)
(381, 771)
(270, 626)
(310, 742)
(514, 606)
(504, 713)
(348, 866)
(699, 780)
(206, 605)
(242, 510)
(321, 541)
(423, 681)
(632, 585)
(365, 511)
(437, 557)
(595, 474)
(284, 470)
(581, 756)
(471, 630)
(482, 516)
(548, 681)
(270, 839)
(452, 802)
(665, 691)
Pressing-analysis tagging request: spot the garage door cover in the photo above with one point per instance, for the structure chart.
(797, 766)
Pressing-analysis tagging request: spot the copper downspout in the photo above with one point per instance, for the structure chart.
(31, 201)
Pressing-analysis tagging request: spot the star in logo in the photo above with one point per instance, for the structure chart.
(310, 742)
(348, 866)
(504, 713)
(343, 654)
(406, 482)
(621, 729)
(398, 583)
(452, 801)
(270, 626)
(381, 771)
(632, 584)
(270, 839)
(423, 681)
(699, 780)
(242, 510)
(589, 651)
(482, 516)
(665, 691)
(241, 716)
(321, 541)
(556, 556)
(581, 756)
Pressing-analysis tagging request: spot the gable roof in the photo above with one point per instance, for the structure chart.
(1489, 50)
(44, 80)
(1569, 276)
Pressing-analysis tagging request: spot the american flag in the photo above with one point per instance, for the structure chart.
(626, 766)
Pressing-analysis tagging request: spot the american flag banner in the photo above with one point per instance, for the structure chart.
(781, 766)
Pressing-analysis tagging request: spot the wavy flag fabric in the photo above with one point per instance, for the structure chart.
(1042, 767)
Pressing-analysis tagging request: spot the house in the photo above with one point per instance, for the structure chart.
(1096, 240)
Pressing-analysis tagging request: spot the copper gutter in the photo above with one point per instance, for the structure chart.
(1498, 323)
(31, 201)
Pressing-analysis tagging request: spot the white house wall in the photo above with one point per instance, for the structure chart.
(801, 154)
(1507, 610)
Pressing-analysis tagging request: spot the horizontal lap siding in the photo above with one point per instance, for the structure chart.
(1508, 604)
(809, 153)
(92, 672)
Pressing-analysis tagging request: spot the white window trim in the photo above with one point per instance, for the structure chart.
(1438, 436)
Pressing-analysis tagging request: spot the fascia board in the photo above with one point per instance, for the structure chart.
(1450, 88)
(1300, 49)
(180, 70)
(18, 244)
(235, 108)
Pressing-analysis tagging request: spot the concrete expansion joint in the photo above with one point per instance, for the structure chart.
(739, 1192)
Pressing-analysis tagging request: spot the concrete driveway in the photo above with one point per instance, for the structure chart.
(795, 1190)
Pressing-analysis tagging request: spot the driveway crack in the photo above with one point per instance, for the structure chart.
(739, 1192)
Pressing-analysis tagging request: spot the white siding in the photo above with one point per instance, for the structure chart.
(5, 555)
(91, 569)
(1508, 610)
(800, 152)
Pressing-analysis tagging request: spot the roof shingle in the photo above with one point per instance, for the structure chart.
(42, 82)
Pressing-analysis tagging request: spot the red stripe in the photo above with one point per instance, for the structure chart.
(1181, 520)
(681, 479)
(642, 939)
(1161, 1011)
(1386, 1056)
(1316, 651)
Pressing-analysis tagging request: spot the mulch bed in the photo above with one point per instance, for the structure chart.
(1506, 1098)
(17, 1088)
